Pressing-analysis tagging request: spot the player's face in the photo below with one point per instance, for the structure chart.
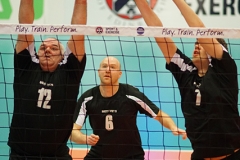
(49, 54)
(199, 55)
(109, 71)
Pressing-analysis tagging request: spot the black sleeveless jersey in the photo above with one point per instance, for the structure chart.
(114, 120)
(209, 104)
(44, 104)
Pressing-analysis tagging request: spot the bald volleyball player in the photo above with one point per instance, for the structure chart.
(112, 108)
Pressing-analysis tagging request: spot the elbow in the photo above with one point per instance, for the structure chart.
(71, 138)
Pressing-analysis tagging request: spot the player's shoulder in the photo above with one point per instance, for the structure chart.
(128, 88)
(90, 92)
(226, 53)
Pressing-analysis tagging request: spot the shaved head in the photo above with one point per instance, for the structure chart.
(109, 71)
(111, 60)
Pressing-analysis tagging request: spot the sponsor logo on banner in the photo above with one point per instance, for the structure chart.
(99, 30)
(127, 9)
(112, 30)
(140, 31)
(108, 30)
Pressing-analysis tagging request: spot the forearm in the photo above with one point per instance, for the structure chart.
(80, 12)
(78, 137)
(211, 46)
(79, 17)
(189, 15)
(26, 16)
(149, 16)
(166, 121)
(166, 45)
(26, 12)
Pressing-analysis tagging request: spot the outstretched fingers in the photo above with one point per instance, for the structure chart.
(180, 132)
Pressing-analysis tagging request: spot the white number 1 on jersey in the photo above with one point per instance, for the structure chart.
(198, 97)
(44, 93)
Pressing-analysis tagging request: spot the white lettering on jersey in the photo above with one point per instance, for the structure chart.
(109, 111)
(46, 84)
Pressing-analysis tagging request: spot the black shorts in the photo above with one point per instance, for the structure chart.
(15, 156)
(233, 156)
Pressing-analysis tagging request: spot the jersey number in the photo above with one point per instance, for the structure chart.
(109, 122)
(198, 97)
(47, 93)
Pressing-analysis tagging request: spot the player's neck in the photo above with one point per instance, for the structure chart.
(202, 68)
(202, 71)
(48, 68)
(108, 91)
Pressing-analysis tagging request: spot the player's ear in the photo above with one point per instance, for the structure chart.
(98, 71)
(120, 74)
(36, 55)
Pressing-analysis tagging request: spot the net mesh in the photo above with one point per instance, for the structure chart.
(143, 66)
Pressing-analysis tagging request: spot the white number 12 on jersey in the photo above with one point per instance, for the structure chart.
(44, 93)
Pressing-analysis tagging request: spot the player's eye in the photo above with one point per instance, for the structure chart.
(42, 48)
(54, 48)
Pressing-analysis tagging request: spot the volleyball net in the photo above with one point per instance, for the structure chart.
(143, 66)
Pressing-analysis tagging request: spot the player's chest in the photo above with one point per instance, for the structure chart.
(42, 85)
(46, 80)
(111, 106)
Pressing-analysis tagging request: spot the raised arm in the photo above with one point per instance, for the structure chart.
(166, 45)
(26, 16)
(211, 45)
(79, 17)
(78, 137)
(168, 122)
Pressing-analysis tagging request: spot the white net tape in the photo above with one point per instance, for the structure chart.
(131, 31)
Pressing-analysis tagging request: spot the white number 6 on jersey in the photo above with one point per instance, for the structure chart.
(109, 122)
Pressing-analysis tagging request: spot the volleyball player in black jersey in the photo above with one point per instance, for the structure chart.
(208, 86)
(112, 108)
(46, 87)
